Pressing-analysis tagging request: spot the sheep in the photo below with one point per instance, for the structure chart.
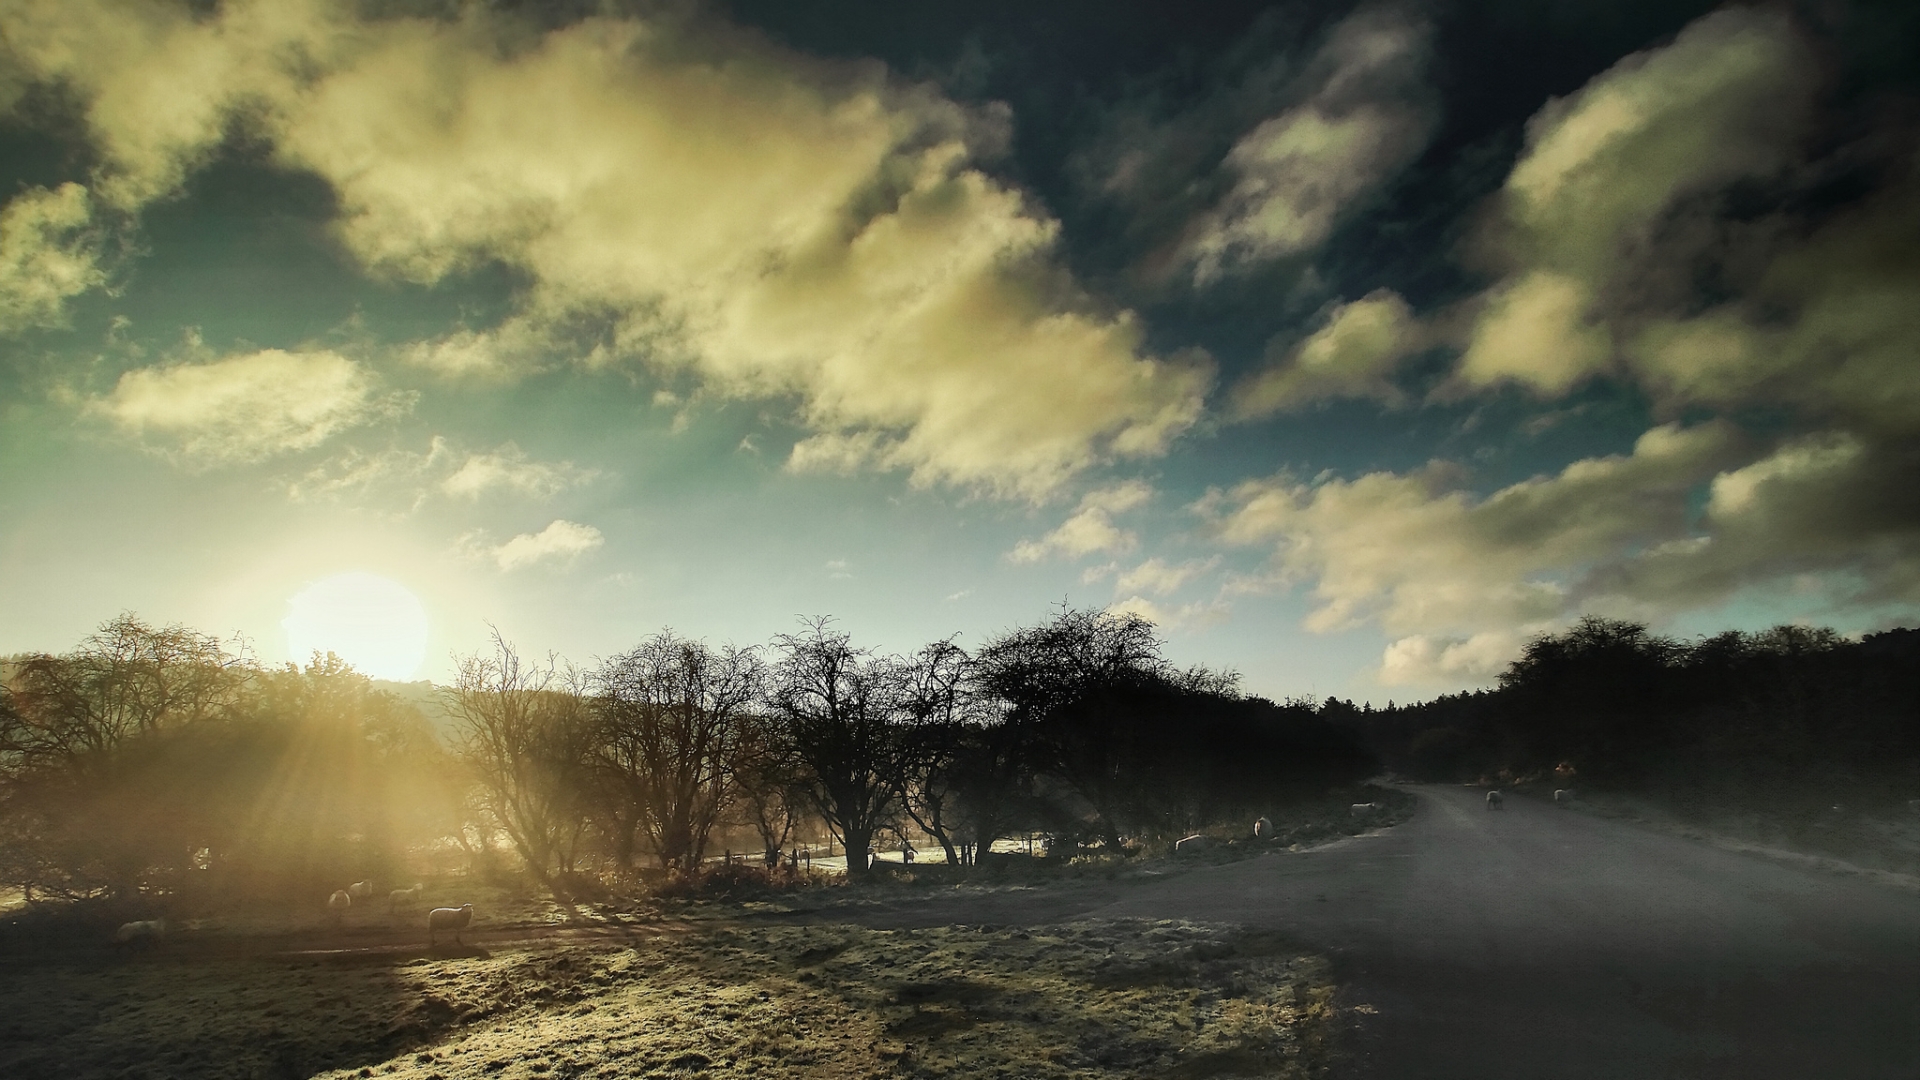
(1196, 842)
(144, 933)
(400, 898)
(1563, 796)
(1360, 808)
(1263, 829)
(1494, 799)
(448, 918)
(361, 890)
(338, 904)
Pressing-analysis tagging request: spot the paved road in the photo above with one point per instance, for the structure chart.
(1537, 942)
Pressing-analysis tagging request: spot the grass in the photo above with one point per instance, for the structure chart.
(1083, 999)
(741, 981)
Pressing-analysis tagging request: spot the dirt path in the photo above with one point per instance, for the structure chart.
(1536, 942)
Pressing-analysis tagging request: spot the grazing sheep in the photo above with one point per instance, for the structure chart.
(1196, 842)
(448, 918)
(1362, 808)
(1563, 796)
(1263, 829)
(1494, 799)
(400, 898)
(361, 890)
(142, 934)
(338, 904)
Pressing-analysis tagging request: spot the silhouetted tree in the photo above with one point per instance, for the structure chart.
(526, 735)
(673, 719)
(838, 711)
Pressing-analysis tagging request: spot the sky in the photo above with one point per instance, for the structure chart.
(1353, 344)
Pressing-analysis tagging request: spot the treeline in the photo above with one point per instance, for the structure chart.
(1740, 717)
(154, 760)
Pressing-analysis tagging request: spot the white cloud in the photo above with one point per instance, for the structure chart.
(1723, 101)
(1537, 330)
(1420, 556)
(1424, 660)
(1090, 528)
(1352, 355)
(247, 407)
(560, 542)
(1298, 173)
(1158, 577)
(1619, 181)
(48, 254)
(1183, 617)
(509, 469)
(679, 195)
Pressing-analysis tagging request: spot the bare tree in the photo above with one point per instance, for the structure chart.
(838, 710)
(933, 739)
(768, 780)
(526, 733)
(673, 714)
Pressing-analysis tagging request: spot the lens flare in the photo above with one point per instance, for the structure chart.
(374, 623)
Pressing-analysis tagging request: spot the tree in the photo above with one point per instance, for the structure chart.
(526, 735)
(768, 782)
(108, 758)
(673, 718)
(933, 739)
(838, 710)
(1072, 688)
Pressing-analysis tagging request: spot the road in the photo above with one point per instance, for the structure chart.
(1545, 943)
(1548, 944)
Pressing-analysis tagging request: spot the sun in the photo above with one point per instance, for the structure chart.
(374, 623)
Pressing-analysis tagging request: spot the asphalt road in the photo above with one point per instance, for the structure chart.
(1542, 943)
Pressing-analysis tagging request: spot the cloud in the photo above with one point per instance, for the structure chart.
(1621, 182)
(1424, 660)
(680, 195)
(1090, 528)
(1362, 120)
(443, 470)
(48, 253)
(161, 85)
(1826, 331)
(1184, 617)
(248, 407)
(509, 469)
(1417, 554)
(561, 541)
(1352, 355)
(1724, 101)
(1536, 330)
(1160, 578)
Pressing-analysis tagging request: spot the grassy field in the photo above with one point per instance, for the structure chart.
(717, 995)
(800, 983)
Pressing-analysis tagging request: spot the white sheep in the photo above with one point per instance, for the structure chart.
(1263, 829)
(448, 918)
(1360, 808)
(145, 932)
(1563, 796)
(1494, 799)
(400, 898)
(339, 904)
(361, 890)
(1196, 842)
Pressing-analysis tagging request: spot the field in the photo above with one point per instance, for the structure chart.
(716, 994)
(894, 978)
